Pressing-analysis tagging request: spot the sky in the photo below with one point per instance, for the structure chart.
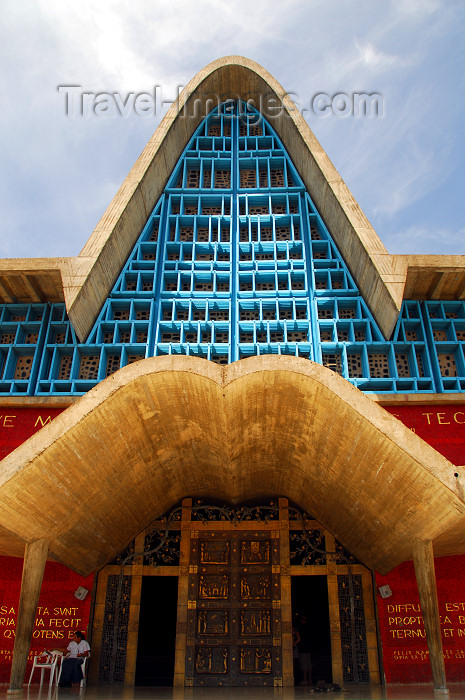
(406, 168)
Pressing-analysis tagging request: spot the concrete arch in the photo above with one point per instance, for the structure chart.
(168, 427)
(380, 276)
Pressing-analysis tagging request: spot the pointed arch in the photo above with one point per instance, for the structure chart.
(380, 276)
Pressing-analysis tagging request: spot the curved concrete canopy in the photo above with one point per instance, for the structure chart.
(170, 427)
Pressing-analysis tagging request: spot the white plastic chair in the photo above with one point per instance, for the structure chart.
(83, 669)
(50, 660)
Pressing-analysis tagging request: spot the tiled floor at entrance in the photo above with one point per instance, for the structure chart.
(389, 692)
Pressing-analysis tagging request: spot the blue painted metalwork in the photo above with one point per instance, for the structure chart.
(22, 331)
(235, 261)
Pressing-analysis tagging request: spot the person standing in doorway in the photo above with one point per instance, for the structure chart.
(295, 652)
(304, 647)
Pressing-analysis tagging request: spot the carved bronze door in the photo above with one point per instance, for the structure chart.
(234, 616)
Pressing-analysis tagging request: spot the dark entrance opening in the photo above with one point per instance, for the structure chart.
(310, 599)
(157, 631)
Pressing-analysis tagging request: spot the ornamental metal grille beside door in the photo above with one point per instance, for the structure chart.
(353, 629)
(234, 617)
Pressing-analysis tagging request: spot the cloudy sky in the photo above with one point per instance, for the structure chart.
(406, 169)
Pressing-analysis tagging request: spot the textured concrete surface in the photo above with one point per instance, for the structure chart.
(170, 427)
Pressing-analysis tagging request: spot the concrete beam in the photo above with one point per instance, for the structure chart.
(123, 454)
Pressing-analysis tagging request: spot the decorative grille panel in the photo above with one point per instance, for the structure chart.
(115, 630)
(235, 226)
(353, 629)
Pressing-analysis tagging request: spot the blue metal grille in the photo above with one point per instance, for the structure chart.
(235, 261)
(22, 330)
(445, 332)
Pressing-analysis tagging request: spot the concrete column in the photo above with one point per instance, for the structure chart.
(423, 559)
(35, 556)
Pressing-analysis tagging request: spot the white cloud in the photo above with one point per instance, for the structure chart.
(377, 60)
(428, 240)
(415, 8)
(57, 174)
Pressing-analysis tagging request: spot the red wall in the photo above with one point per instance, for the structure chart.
(442, 427)
(59, 613)
(405, 652)
(18, 424)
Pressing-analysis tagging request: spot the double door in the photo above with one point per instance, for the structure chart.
(234, 633)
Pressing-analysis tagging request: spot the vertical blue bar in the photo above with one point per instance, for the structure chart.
(234, 233)
(430, 347)
(158, 280)
(312, 306)
(39, 351)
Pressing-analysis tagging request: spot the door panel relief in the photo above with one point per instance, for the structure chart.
(234, 616)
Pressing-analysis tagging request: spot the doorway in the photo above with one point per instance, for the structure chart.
(309, 597)
(157, 631)
(241, 573)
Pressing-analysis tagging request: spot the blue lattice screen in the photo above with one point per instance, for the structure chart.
(234, 261)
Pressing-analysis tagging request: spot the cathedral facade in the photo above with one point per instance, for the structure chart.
(232, 411)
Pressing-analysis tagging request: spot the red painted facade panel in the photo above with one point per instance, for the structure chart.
(18, 424)
(443, 427)
(405, 652)
(59, 613)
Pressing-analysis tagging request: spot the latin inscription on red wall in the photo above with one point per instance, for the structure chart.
(405, 651)
(18, 424)
(59, 613)
(442, 427)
